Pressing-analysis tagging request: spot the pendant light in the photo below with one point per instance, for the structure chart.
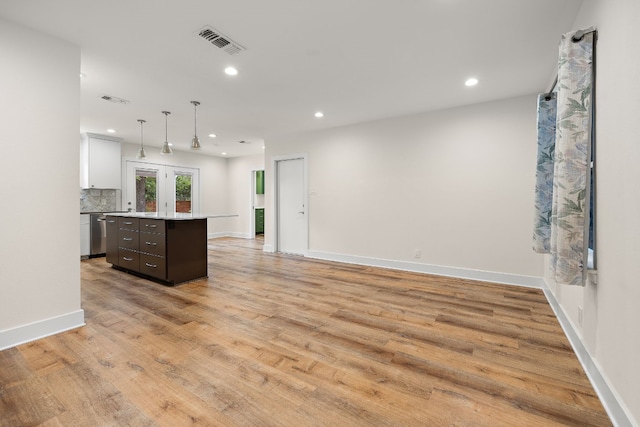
(195, 142)
(166, 149)
(141, 154)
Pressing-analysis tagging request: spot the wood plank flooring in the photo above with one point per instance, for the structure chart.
(276, 340)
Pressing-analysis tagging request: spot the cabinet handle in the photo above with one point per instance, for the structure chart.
(151, 243)
(151, 225)
(111, 221)
(127, 239)
(127, 259)
(150, 265)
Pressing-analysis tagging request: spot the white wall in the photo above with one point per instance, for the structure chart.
(214, 181)
(611, 315)
(456, 184)
(240, 191)
(39, 247)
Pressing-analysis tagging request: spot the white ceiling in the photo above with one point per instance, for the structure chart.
(355, 60)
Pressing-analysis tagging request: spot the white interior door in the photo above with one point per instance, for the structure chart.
(291, 222)
(162, 189)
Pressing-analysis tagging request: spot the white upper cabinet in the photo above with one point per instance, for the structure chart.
(100, 161)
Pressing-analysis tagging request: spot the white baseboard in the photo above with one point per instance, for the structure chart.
(217, 235)
(268, 248)
(463, 273)
(619, 414)
(236, 234)
(40, 329)
(240, 235)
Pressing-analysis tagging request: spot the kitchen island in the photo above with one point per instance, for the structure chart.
(170, 249)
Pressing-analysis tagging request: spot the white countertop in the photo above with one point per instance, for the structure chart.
(180, 216)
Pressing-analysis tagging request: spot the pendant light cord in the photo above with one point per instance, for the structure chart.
(195, 142)
(195, 117)
(141, 134)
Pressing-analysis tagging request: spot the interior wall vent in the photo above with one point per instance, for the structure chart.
(220, 41)
(244, 142)
(114, 99)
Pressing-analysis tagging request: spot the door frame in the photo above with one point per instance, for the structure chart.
(274, 198)
(163, 198)
(252, 204)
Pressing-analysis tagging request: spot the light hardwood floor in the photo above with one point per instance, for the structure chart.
(275, 340)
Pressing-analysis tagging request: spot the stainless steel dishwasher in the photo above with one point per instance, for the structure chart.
(98, 236)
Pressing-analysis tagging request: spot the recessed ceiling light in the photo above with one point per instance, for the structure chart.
(83, 75)
(224, 154)
(212, 135)
(471, 82)
(111, 130)
(231, 71)
(319, 114)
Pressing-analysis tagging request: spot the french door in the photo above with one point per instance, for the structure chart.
(162, 189)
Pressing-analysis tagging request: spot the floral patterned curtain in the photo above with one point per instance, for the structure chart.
(544, 171)
(563, 231)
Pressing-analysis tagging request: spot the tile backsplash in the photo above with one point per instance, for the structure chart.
(98, 200)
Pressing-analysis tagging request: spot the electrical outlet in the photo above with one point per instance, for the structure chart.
(417, 253)
(580, 316)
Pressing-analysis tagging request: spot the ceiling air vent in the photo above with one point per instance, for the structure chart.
(220, 41)
(244, 142)
(114, 99)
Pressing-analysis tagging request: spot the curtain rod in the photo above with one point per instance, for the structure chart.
(578, 36)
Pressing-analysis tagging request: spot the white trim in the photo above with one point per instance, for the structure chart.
(612, 402)
(41, 329)
(220, 234)
(462, 273)
(240, 235)
(268, 248)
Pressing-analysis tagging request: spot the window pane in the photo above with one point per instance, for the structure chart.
(183, 193)
(146, 191)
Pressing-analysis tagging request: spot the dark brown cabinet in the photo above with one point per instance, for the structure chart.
(168, 250)
(112, 244)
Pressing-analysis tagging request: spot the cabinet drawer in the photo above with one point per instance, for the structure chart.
(153, 266)
(128, 223)
(112, 240)
(152, 225)
(152, 243)
(128, 239)
(128, 259)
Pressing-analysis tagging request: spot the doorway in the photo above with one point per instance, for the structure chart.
(257, 203)
(165, 190)
(291, 224)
